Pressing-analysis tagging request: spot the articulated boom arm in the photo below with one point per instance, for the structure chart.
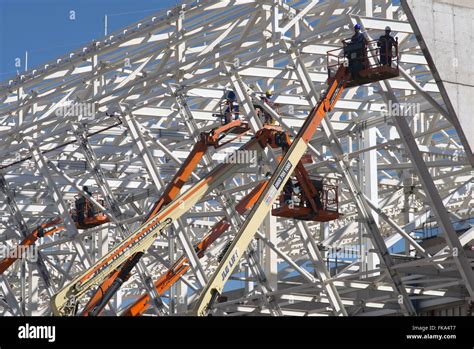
(64, 302)
(271, 192)
(181, 266)
(31, 240)
(207, 139)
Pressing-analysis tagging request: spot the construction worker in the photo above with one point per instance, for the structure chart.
(231, 111)
(268, 100)
(355, 51)
(358, 36)
(318, 185)
(386, 43)
(288, 190)
(83, 207)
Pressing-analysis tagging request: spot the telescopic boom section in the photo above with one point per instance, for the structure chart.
(29, 241)
(181, 266)
(65, 301)
(264, 205)
(207, 139)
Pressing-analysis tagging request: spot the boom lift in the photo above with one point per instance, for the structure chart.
(181, 266)
(64, 302)
(269, 136)
(91, 218)
(49, 228)
(316, 201)
(278, 139)
(43, 230)
(371, 68)
(110, 285)
(336, 84)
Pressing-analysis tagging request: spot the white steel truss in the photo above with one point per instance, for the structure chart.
(121, 114)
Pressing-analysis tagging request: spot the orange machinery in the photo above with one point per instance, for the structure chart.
(371, 69)
(111, 284)
(278, 139)
(181, 266)
(339, 79)
(49, 228)
(45, 229)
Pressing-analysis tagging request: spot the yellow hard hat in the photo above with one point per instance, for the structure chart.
(268, 92)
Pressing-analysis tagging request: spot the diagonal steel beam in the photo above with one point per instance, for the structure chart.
(69, 225)
(350, 182)
(152, 170)
(113, 204)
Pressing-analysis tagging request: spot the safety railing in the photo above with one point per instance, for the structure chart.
(88, 206)
(371, 56)
(330, 198)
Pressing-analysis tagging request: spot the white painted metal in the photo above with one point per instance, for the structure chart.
(204, 49)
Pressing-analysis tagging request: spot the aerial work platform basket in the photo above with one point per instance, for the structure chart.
(366, 62)
(327, 205)
(91, 217)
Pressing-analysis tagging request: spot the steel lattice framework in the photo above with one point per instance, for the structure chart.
(154, 85)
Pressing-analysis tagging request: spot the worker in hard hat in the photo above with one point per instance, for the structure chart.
(355, 51)
(231, 110)
(386, 43)
(288, 190)
(358, 36)
(268, 100)
(83, 207)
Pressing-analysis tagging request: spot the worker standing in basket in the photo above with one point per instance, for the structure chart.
(386, 43)
(319, 186)
(268, 119)
(355, 51)
(83, 207)
(288, 190)
(231, 111)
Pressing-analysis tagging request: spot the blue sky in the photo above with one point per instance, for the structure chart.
(44, 29)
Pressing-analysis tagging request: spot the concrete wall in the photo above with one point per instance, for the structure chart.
(445, 31)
